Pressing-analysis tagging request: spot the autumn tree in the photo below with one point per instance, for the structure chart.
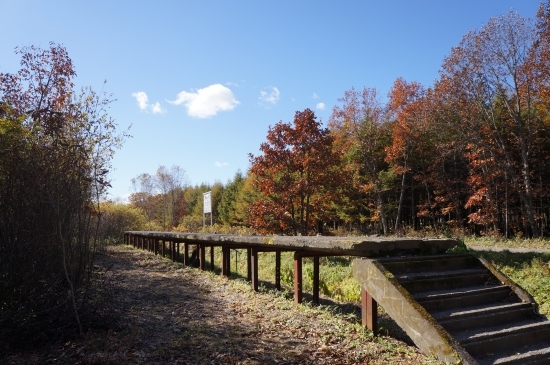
(56, 148)
(296, 175)
(116, 218)
(407, 112)
(361, 132)
(170, 184)
(489, 73)
(143, 196)
(161, 196)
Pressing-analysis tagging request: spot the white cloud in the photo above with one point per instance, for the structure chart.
(142, 99)
(269, 95)
(157, 108)
(221, 164)
(143, 103)
(315, 96)
(207, 102)
(320, 106)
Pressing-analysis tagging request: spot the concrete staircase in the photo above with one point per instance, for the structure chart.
(459, 307)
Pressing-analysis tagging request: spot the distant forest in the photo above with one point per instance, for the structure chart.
(468, 154)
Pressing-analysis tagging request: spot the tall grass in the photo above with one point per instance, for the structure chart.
(530, 270)
(501, 242)
(335, 275)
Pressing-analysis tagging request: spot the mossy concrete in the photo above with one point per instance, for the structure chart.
(421, 327)
(369, 246)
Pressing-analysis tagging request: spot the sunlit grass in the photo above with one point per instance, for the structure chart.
(534, 243)
(335, 275)
(530, 270)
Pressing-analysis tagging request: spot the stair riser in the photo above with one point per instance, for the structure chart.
(494, 319)
(515, 340)
(464, 301)
(448, 264)
(423, 285)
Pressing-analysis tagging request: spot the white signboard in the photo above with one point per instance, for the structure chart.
(207, 203)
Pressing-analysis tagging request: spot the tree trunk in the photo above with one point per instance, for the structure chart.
(400, 205)
(381, 209)
(306, 228)
(428, 196)
(413, 210)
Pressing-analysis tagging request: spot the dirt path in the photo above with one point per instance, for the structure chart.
(170, 314)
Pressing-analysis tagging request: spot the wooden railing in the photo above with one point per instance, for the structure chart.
(302, 246)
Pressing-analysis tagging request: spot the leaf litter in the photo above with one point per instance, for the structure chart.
(172, 314)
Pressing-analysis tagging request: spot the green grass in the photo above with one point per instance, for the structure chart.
(335, 276)
(530, 270)
(536, 243)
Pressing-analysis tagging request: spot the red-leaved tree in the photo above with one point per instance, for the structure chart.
(297, 175)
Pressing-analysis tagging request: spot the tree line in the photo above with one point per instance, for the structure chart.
(469, 153)
(56, 146)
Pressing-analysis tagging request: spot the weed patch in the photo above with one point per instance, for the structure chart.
(530, 270)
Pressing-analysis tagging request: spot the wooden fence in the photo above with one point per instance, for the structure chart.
(170, 243)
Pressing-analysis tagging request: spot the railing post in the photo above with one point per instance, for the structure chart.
(226, 261)
(249, 264)
(369, 314)
(177, 250)
(185, 253)
(278, 270)
(212, 267)
(254, 267)
(297, 277)
(163, 247)
(316, 279)
(202, 256)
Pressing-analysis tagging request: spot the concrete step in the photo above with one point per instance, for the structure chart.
(402, 265)
(462, 297)
(438, 280)
(530, 355)
(482, 316)
(538, 354)
(479, 342)
(475, 317)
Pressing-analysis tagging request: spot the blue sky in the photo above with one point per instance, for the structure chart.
(200, 82)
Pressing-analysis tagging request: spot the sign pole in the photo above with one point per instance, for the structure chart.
(207, 207)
